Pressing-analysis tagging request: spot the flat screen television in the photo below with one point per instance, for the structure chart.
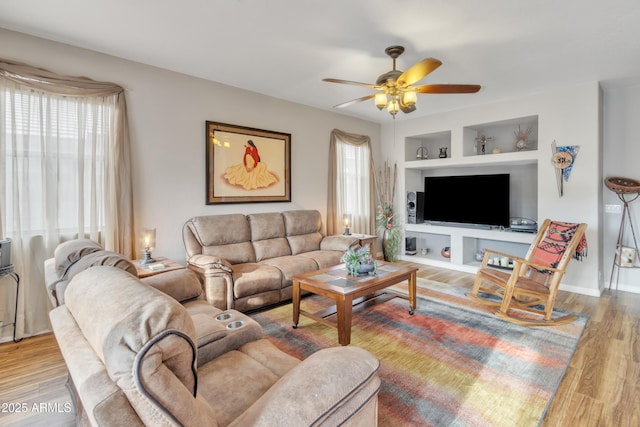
(481, 200)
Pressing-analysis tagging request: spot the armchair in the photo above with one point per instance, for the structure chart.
(535, 279)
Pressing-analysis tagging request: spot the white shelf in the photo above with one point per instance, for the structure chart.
(522, 166)
(484, 160)
(477, 233)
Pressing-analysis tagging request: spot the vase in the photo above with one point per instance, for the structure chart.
(365, 269)
(389, 246)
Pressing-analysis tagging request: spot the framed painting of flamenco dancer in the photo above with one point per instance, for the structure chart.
(247, 165)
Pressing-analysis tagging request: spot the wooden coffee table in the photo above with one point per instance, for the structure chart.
(351, 293)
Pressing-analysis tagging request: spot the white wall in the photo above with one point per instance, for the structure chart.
(167, 114)
(570, 117)
(621, 157)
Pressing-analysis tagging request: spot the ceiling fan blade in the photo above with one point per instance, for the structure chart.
(348, 82)
(448, 88)
(419, 71)
(354, 101)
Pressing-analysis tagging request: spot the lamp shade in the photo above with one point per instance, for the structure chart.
(409, 98)
(381, 100)
(393, 107)
(148, 238)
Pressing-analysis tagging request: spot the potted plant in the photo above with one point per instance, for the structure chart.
(359, 261)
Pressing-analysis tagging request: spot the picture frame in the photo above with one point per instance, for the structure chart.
(246, 165)
(626, 256)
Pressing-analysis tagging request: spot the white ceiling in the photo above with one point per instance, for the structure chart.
(284, 48)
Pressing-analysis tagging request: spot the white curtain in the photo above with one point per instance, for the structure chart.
(351, 189)
(65, 174)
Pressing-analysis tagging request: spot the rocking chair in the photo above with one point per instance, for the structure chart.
(535, 279)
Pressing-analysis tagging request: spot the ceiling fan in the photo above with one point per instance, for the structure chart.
(396, 90)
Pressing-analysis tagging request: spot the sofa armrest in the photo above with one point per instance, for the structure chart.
(338, 243)
(216, 276)
(210, 264)
(329, 387)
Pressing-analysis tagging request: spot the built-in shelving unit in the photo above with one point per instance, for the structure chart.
(465, 157)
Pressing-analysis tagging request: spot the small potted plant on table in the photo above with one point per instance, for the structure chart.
(359, 261)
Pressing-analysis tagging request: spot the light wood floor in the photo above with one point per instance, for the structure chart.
(600, 388)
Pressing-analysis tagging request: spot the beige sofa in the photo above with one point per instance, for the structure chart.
(213, 336)
(131, 353)
(248, 261)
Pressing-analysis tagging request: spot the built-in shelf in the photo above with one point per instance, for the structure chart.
(465, 244)
(425, 148)
(500, 137)
(465, 158)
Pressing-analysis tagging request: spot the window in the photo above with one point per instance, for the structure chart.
(64, 173)
(351, 192)
(54, 155)
(352, 185)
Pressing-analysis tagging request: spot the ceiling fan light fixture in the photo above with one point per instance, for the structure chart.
(381, 100)
(410, 97)
(393, 107)
(396, 90)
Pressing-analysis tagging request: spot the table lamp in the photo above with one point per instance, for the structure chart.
(347, 220)
(149, 242)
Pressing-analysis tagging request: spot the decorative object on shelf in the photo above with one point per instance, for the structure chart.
(347, 220)
(496, 150)
(482, 140)
(522, 138)
(422, 153)
(149, 242)
(446, 252)
(563, 159)
(410, 246)
(395, 88)
(359, 261)
(443, 153)
(386, 220)
(626, 256)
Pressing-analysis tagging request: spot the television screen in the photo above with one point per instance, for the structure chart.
(467, 199)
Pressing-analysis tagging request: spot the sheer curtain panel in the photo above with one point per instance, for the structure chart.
(351, 188)
(65, 171)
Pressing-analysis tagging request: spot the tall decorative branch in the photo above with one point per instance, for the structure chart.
(386, 185)
(387, 220)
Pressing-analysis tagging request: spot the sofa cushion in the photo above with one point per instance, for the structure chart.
(266, 226)
(67, 253)
(225, 236)
(302, 222)
(234, 253)
(324, 259)
(291, 265)
(231, 383)
(268, 236)
(304, 243)
(182, 285)
(251, 279)
(271, 248)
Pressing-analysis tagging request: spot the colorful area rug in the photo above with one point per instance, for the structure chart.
(450, 364)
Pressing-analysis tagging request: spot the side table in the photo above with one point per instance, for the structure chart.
(160, 265)
(367, 239)
(8, 271)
